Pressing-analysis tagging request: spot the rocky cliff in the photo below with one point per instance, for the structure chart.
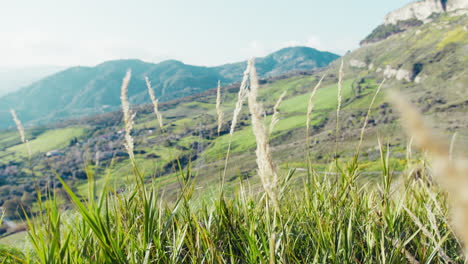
(422, 10)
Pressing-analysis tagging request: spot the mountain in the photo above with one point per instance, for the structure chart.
(414, 15)
(14, 78)
(424, 9)
(80, 91)
(282, 61)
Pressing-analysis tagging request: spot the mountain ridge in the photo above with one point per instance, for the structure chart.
(80, 90)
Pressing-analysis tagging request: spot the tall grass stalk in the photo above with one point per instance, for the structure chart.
(338, 108)
(310, 108)
(128, 116)
(275, 117)
(20, 128)
(219, 111)
(366, 119)
(266, 167)
(155, 103)
(450, 172)
(241, 96)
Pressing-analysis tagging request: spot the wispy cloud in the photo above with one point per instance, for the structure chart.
(340, 46)
(257, 48)
(38, 47)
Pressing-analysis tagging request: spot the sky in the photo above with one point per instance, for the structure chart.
(199, 32)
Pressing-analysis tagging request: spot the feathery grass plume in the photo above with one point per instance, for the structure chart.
(155, 103)
(275, 117)
(338, 108)
(241, 96)
(266, 167)
(452, 145)
(128, 116)
(219, 111)
(310, 107)
(452, 174)
(20, 128)
(366, 119)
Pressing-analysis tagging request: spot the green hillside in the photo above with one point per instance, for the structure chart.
(81, 91)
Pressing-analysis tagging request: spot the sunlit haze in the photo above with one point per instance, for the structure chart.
(205, 32)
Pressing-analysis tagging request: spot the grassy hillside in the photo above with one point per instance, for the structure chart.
(81, 91)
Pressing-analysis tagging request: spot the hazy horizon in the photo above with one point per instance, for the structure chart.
(206, 33)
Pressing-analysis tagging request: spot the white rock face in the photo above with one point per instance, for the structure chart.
(422, 10)
(403, 75)
(399, 74)
(357, 63)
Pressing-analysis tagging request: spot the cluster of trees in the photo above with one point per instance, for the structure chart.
(384, 31)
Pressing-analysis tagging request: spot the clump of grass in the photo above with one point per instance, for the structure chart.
(331, 220)
(155, 103)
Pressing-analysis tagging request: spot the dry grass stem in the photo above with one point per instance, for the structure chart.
(219, 111)
(452, 174)
(366, 119)
(155, 103)
(20, 128)
(266, 167)
(414, 123)
(241, 96)
(452, 145)
(338, 109)
(128, 116)
(275, 117)
(310, 107)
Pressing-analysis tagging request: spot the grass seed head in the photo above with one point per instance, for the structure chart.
(275, 117)
(155, 103)
(20, 128)
(451, 173)
(128, 116)
(219, 111)
(266, 167)
(242, 95)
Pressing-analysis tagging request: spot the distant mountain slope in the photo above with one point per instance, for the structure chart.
(14, 78)
(282, 61)
(82, 91)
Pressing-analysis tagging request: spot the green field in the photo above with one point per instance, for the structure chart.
(49, 140)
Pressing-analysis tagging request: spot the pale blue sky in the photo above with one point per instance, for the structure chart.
(201, 32)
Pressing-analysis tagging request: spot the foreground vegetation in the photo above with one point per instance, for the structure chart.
(327, 216)
(319, 220)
